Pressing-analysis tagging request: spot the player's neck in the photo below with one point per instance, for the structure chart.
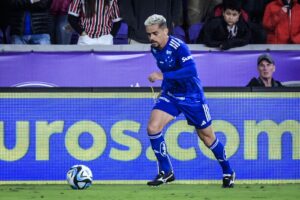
(164, 43)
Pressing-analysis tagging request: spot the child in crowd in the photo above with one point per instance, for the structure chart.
(228, 30)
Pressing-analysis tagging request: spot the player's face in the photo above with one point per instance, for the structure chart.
(266, 69)
(158, 36)
(231, 16)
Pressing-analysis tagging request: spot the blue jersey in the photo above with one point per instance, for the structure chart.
(180, 78)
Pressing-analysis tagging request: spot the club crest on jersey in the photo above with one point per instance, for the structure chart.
(168, 52)
(184, 59)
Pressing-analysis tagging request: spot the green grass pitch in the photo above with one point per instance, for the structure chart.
(143, 192)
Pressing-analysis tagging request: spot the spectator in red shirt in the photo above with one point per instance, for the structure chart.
(282, 22)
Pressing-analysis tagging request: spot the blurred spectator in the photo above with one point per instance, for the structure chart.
(135, 12)
(227, 31)
(96, 21)
(30, 21)
(4, 18)
(257, 31)
(266, 68)
(1, 37)
(121, 36)
(255, 9)
(197, 12)
(218, 10)
(61, 31)
(282, 22)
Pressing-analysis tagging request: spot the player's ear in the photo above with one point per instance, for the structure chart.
(166, 30)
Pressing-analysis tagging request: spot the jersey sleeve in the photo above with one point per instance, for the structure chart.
(74, 8)
(186, 62)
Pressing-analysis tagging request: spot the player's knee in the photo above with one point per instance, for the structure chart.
(154, 128)
(207, 137)
(208, 140)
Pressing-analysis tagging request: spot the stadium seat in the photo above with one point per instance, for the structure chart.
(194, 31)
(179, 33)
(122, 35)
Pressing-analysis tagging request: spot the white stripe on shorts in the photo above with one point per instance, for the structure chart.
(206, 112)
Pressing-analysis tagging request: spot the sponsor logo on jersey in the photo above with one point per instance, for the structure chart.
(184, 59)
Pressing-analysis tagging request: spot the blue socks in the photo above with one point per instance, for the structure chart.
(218, 149)
(160, 149)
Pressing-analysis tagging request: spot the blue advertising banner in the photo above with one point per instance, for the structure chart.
(43, 134)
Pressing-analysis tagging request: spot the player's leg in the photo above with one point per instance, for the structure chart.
(208, 137)
(162, 113)
(158, 120)
(198, 115)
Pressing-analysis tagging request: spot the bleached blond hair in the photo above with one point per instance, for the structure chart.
(156, 19)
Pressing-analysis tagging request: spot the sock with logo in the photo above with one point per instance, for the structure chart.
(160, 150)
(219, 151)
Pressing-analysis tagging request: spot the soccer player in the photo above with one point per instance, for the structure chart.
(181, 93)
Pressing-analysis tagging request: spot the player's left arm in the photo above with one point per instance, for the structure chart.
(186, 61)
(154, 76)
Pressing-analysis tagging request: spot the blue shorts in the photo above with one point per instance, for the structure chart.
(195, 111)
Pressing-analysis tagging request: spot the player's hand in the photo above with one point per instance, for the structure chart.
(155, 76)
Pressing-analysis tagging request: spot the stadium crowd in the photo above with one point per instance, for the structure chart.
(216, 23)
